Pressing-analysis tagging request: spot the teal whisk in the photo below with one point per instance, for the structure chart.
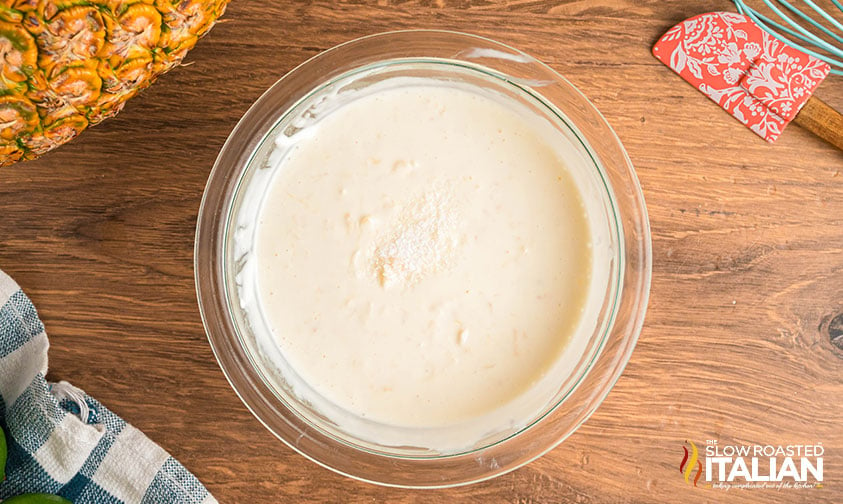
(804, 27)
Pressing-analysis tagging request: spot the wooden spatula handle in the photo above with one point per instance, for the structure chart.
(821, 120)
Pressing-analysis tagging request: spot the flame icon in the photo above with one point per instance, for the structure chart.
(686, 467)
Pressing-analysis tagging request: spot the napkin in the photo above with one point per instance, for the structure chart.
(64, 442)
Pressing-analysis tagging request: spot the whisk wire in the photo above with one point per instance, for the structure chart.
(799, 32)
(766, 22)
(819, 10)
(808, 19)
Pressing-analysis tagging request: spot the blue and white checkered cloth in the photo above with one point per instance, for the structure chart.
(62, 441)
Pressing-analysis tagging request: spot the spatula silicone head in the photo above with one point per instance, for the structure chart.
(755, 77)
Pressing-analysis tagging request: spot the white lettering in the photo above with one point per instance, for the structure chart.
(789, 469)
(755, 476)
(817, 470)
(739, 469)
(744, 465)
(773, 475)
(707, 465)
(721, 466)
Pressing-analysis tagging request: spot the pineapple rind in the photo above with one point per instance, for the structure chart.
(69, 64)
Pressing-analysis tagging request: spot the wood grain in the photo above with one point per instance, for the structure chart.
(747, 287)
(820, 119)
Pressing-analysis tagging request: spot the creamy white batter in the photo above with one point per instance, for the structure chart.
(423, 257)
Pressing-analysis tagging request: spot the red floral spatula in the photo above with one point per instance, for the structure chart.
(757, 78)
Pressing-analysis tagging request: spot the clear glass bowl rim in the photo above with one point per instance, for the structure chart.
(324, 450)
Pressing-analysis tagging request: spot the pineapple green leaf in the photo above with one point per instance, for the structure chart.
(37, 499)
(2, 455)
(31, 498)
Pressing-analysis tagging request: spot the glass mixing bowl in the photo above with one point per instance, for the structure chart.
(475, 61)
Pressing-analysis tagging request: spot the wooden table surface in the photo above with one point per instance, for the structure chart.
(747, 292)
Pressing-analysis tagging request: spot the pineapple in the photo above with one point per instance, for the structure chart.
(69, 64)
